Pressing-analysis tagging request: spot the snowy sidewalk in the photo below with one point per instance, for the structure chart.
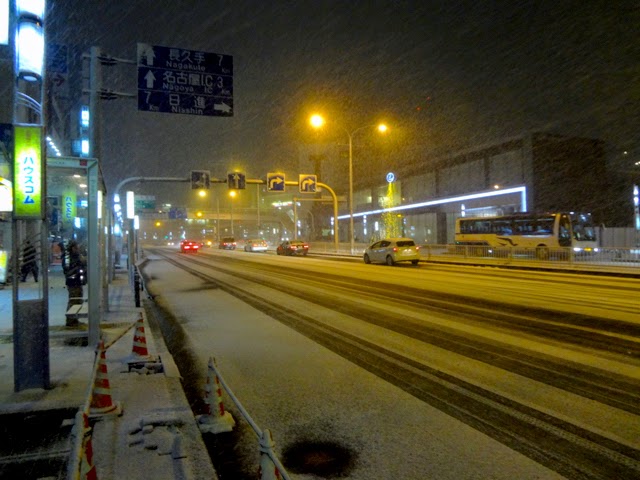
(156, 436)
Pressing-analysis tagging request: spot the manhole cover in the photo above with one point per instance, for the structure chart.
(325, 459)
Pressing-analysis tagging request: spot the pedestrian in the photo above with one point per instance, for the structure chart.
(29, 262)
(75, 277)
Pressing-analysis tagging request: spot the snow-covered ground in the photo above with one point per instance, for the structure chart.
(302, 391)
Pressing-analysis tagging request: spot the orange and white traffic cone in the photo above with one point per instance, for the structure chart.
(268, 469)
(101, 401)
(216, 420)
(87, 468)
(140, 340)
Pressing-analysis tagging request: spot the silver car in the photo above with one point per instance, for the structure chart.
(392, 250)
(255, 245)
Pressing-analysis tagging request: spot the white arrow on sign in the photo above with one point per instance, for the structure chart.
(146, 51)
(150, 78)
(223, 107)
(236, 180)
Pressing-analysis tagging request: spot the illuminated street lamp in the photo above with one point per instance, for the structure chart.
(317, 121)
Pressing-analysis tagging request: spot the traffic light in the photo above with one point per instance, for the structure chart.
(200, 179)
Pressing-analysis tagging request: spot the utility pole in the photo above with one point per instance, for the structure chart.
(30, 315)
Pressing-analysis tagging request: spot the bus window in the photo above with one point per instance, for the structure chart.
(501, 227)
(583, 229)
(544, 226)
(523, 226)
(564, 232)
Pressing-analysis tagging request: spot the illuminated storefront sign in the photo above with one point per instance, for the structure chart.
(27, 174)
(69, 206)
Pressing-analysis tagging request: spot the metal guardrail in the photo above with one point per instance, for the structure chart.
(601, 259)
(625, 260)
(264, 436)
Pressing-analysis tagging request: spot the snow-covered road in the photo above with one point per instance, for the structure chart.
(366, 384)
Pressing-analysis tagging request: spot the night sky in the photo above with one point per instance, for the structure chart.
(445, 75)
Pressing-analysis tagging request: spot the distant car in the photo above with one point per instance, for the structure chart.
(227, 243)
(189, 246)
(392, 250)
(255, 245)
(292, 247)
(207, 243)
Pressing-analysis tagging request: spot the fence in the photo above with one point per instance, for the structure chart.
(270, 465)
(608, 259)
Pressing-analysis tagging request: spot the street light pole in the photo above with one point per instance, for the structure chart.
(381, 128)
(351, 236)
(317, 122)
(232, 195)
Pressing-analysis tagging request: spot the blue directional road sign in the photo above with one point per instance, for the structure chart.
(236, 181)
(275, 182)
(175, 80)
(307, 183)
(177, 213)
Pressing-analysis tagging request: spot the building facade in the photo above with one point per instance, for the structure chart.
(425, 194)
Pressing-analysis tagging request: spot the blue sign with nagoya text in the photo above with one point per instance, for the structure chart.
(176, 80)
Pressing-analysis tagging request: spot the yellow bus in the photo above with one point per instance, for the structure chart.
(541, 233)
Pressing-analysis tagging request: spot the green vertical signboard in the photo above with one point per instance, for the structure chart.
(69, 207)
(27, 172)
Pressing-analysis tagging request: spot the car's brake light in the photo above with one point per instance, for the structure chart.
(417, 247)
(395, 249)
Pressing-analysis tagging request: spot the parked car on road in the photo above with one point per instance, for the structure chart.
(255, 245)
(227, 243)
(293, 247)
(392, 250)
(189, 246)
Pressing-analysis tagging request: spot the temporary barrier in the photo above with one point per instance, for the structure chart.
(216, 420)
(98, 403)
(101, 401)
(81, 464)
(87, 468)
(140, 356)
(270, 466)
(268, 469)
(140, 339)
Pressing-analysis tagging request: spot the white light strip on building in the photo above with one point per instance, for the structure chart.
(493, 193)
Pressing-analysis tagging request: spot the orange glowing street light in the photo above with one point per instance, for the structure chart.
(317, 121)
